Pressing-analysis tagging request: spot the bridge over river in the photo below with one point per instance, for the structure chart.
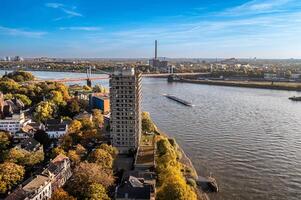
(89, 77)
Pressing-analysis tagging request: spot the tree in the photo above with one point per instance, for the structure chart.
(23, 157)
(21, 97)
(45, 110)
(20, 76)
(74, 157)
(72, 108)
(42, 137)
(8, 86)
(61, 194)
(4, 140)
(176, 188)
(75, 126)
(97, 192)
(56, 151)
(97, 118)
(10, 175)
(147, 123)
(57, 98)
(101, 157)
(110, 149)
(86, 174)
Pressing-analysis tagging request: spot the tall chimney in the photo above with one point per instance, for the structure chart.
(156, 49)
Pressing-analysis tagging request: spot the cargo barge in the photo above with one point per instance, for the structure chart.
(181, 101)
(295, 98)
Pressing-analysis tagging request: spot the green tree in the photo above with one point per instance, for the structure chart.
(10, 175)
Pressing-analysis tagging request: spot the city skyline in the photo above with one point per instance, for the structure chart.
(241, 28)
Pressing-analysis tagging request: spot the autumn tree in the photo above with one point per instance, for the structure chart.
(97, 118)
(23, 157)
(45, 110)
(175, 187)
(61, 194)
(86, 174)
(56, 151)
(101, 157)
(10, 175)
(74, 157)
(110, 149)
(147, 123)
(97, 192)
(4, 140)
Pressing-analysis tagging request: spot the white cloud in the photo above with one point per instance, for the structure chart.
(261, 7)
(81, 28)
(69, 11)
(20, 32)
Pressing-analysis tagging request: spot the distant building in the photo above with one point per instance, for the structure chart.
(125, 98)
(156, 63)
(100, 101)
(295, 76)
(18, 59)
(56, 128)
(270, 76)
(7, 58)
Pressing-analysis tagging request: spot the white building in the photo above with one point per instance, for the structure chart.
(13, 123)
(56, 128)
(39, 188)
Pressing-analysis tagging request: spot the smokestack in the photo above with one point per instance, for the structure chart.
(156, 49)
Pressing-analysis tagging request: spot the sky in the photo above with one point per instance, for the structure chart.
(128, 28)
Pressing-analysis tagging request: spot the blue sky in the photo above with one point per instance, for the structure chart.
(127, 29)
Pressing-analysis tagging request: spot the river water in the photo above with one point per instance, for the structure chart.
(249, 139)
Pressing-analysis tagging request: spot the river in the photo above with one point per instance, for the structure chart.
(249, 139)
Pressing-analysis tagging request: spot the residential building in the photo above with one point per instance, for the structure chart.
(56, 128)
(84, 115)
(135, 189)
(37, 188)
(30, 145)
(59, 170)
(12, 117)
(100, 101)
(125, 98)
(41, 186)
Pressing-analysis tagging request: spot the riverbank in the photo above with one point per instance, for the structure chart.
(190, 171)
(247, 84)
